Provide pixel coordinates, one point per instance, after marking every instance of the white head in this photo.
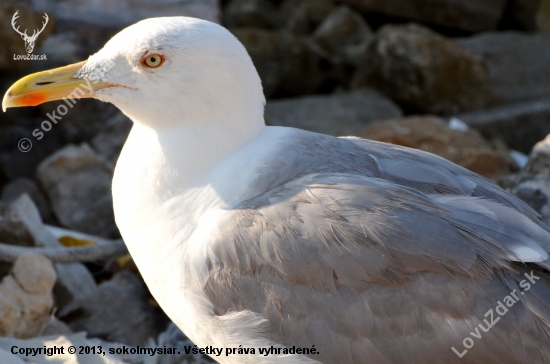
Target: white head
(204, 75)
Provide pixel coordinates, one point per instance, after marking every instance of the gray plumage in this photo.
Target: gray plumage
(380, 254)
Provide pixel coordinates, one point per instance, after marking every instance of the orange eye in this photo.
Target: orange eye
(152, 61)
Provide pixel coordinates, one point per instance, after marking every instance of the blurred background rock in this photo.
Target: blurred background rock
(468, 80)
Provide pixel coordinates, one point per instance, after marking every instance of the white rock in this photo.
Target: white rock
(74, 279)
(78, 183)
(34, 273)
(26, 296)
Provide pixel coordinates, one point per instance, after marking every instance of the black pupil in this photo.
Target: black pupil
(153, 59)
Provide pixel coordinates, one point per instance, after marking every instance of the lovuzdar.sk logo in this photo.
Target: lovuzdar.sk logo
(29, 39)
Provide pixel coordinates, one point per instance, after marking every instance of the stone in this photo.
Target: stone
(337, 114)
(73, 41)
(536, 193)
(250, 13)
(12, 42)
(20, 152)
(21, 185)
(432, 134)
(62, 49)
(125, 12)
(286, 64)
(78, 183)
(426, 72)
(34, 273)
(8, 358)
(110, 140)
(119, 312)
(532, 183)
(344, 34)
(301, 17)
(468, 15)
(543, 15)
(531, 15)
(518, 63)
(84, 120)
(13, 229)
(539, 158)
(520, 125)
(522, 14)
(54, 326)
(26, 296)
(74, 280)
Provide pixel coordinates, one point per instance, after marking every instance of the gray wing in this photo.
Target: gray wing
(388, 270)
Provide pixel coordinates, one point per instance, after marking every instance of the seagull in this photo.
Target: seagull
(268, 244)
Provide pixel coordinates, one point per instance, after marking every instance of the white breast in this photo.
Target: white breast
(165, 207)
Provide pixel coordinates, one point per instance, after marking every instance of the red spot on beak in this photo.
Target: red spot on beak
(32, 99)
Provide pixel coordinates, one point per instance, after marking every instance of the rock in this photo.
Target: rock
(536, 193)
(287, 64)
(432, 134)
(532, 183)
(74, 280)
(16, 160)
(13, 229)
(120, 312)
(78, 184)
(26, 296)
(425, 71)
(34, 273)
(250, 13)
(522, 14)
(520, 125)
(529, 14)
(110, 140)
(62, 49)
(468, 15)
(73, 41)
(81, 122)
(12, 42)
(338, 114)
(301, 17)
(518, 63)
(539, 158)
(8, 358)
(13, 162)
(543, 15)
(19, 186)
(125, 12)
(54, 326)
(344, 34)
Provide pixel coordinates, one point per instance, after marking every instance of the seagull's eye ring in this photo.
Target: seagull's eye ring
(152, 61)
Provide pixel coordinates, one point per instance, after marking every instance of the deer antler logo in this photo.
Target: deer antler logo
(29, 40)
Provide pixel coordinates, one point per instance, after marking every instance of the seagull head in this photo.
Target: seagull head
(160, 72)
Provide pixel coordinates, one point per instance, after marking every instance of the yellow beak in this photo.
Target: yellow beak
(50, 85)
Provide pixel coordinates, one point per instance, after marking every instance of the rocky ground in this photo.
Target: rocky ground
(468, 80)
